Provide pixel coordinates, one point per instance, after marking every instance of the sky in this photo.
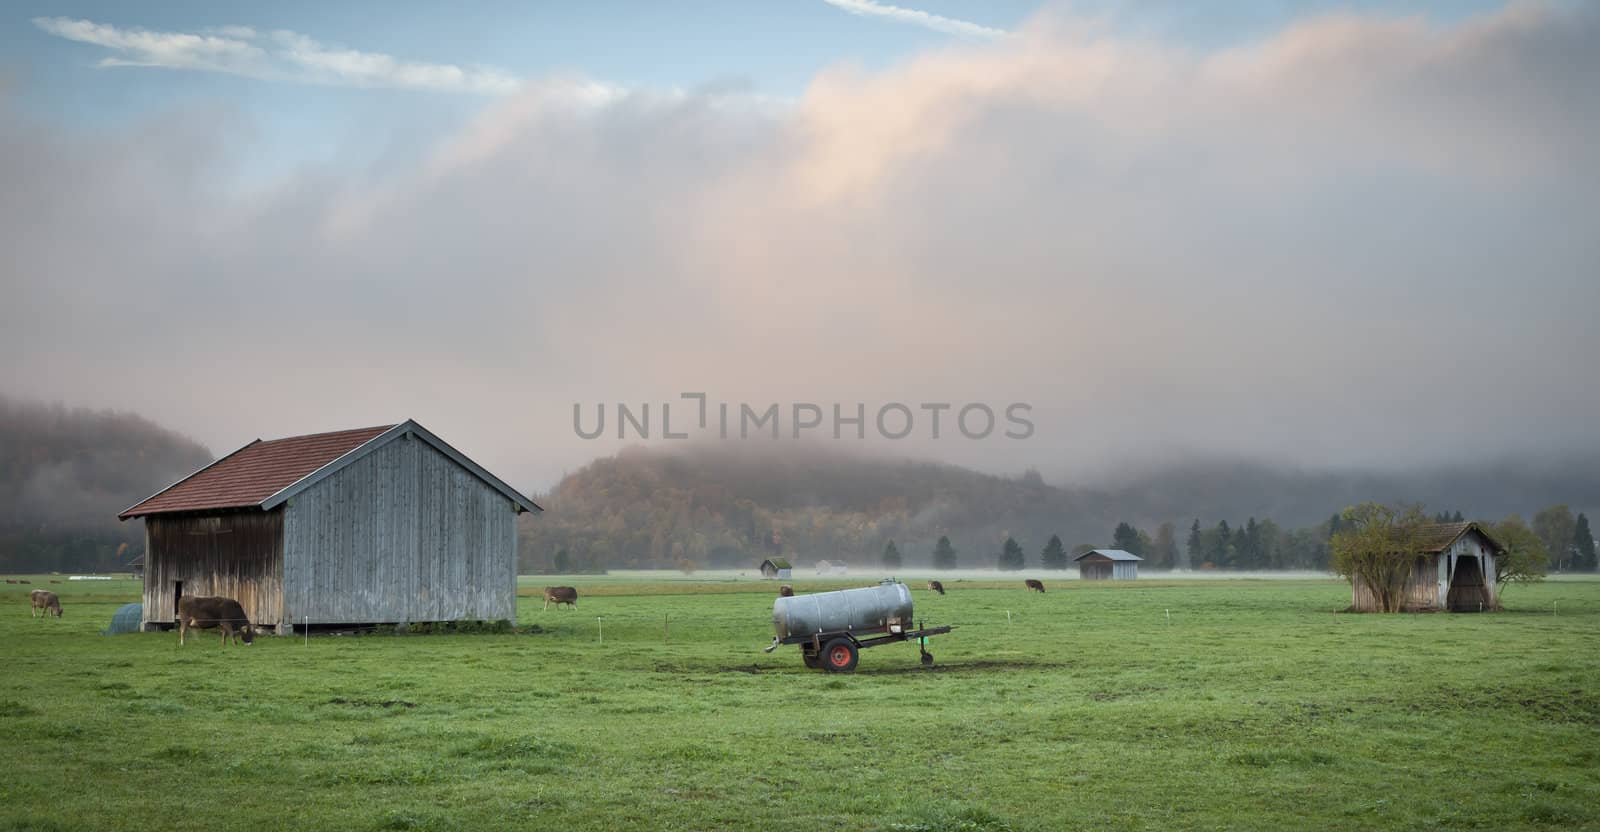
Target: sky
(1329, 234)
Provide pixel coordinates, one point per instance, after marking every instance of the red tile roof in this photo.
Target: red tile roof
(253, 473)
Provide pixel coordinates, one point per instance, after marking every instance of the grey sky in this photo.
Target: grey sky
(1362, 240)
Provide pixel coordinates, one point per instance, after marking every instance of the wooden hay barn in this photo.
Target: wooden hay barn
(776, 568)
(1454, 571)
(369, 526)
(1107, 565)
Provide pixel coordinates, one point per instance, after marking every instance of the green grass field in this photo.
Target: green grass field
(1254, 706)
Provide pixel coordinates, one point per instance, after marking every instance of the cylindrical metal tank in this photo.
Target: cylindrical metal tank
(874, 609)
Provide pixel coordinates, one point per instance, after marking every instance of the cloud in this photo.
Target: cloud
(899, 14)
(284, 56)
(1357, 241)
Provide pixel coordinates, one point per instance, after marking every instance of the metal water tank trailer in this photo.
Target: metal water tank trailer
(833, 627)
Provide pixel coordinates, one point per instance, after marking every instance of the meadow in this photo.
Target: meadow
(1161, 704)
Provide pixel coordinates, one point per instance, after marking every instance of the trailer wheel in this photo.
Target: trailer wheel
(840, 655)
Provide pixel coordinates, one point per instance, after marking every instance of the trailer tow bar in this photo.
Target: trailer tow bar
(922, 644)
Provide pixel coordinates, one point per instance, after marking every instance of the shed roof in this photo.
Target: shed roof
(777, 563)
(1433, 538)
(265, 474)
(1110, 554)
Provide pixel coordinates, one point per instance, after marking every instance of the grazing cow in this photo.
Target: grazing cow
(786, 591)
(1033, 584)
(11, 580)
(936, 587)
(203, 612)
(55, 582)
(24, 582)
(560, 595)
(45, 603)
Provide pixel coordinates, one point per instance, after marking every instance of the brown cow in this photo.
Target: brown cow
(11, 580)
(786, 591)
(24, 582)
(936, 587)
(1033, 584)
(204, 612)
(55, 582)
(560, 595)
(45, 603)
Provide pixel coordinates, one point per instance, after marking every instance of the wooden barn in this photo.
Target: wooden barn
(1108, 565)
(776, 568)
(376, 525)
(1454, 571)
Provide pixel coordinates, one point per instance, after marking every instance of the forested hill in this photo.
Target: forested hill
(64, 475)
(731, 504)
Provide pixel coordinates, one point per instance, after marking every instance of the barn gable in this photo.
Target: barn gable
(401, 533)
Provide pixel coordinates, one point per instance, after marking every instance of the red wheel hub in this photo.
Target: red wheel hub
(839, 656)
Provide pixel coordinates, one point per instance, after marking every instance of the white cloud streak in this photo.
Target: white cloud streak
(916, 17)
(283, 56)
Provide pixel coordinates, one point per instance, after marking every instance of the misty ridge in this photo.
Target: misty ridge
(730, 504)
(66, 472)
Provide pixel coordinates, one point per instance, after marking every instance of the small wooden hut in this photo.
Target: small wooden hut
(778, 568)
(369, 526)
(1454, 570)
(1108, 565)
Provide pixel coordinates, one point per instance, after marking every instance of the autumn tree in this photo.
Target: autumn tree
(1378, 546)
(1164, 549)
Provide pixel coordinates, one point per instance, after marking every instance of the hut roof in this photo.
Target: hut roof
(777, 563)
(1110, 554)
(138, 560)
(1433, 538)
(264, 474)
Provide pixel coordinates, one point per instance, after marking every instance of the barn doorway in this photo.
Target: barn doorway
(177, 595)
(1467, 590)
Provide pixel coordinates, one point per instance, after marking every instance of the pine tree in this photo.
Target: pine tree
(891, 556)
(1249, 546)
(1335, 525)
(1054, 555)
(1222, 551)
(1126, 538)
(1011, 556)
(1583, 546)
(944, 555)
(1196, 548)
(1458, 518)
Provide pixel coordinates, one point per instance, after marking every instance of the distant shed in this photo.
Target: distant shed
(776, 568)
(1108, 565)
(1454, 570)
(375, 525)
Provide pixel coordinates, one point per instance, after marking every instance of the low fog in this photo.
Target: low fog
(1358, 242)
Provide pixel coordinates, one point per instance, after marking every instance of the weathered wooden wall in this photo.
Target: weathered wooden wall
(1094, 570)
(236, 555)
(1421, 590)
(403, 534)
